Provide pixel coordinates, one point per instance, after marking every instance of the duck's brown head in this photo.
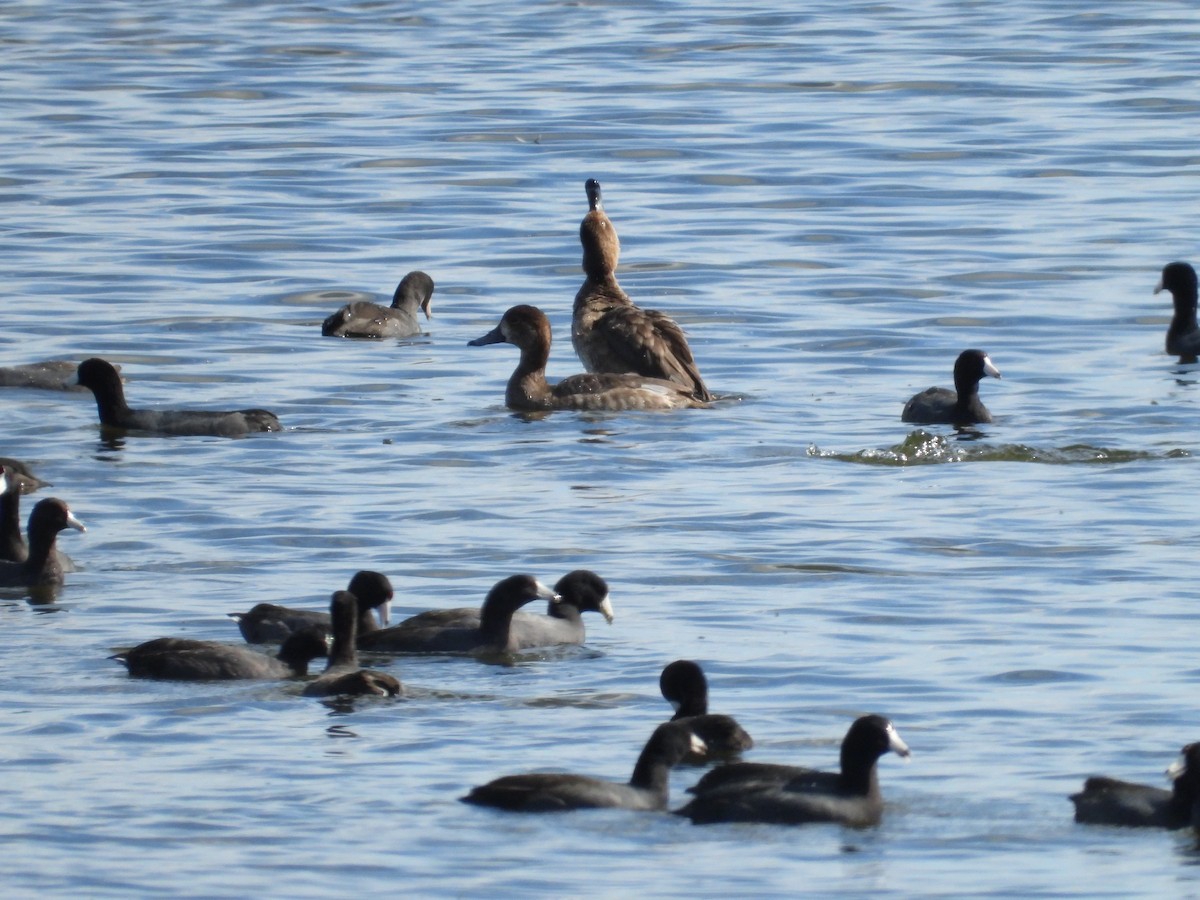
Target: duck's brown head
(525, 326)
(601, 247)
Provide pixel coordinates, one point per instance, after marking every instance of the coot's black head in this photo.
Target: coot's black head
(302, 647)
(97, 374)
(586, 591)
(723, 736)
(515, 591)
(373, 591)
(672, 741)
(51, 516)
(972, 366)
(684, 686)
(868, 739)
(1180, 279)
(1185, 772)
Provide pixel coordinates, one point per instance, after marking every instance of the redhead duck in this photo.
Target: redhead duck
(961, 406)
(42, 566)
(444, 631)
(608, 332)
(101, 378)
(764, 792)
(528, 391)
(267, 623)
(363, 319)
(554, 792)
(342, 676)
(1107, 801)
(12, 543)
(1183, 334)
(183, 659)
(684, 686)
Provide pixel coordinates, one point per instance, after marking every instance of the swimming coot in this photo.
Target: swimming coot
(552, 792)
(12, 543)
(267, 623)
(961, 406)
(1183, 334)
(578, 592)
(609, 333)
(363, 319)
(758, 792)
(685, 687)
(183, 659)
(443, 631)
(1108, 801)
(342, 675)
(42, 566)
(102, 379)
(528, 328)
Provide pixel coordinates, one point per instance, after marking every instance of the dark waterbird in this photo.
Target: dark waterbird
(647, 788)
(101, 378)
(267, 623)
(527, 328)
(444, 631)
(685, 687)
(1183, 334)
(183, 659)
(42, 565)
(961, 406)
(363, 319)
(792, 795)
(12, 543)
(1109, 801)
(342, 675)
(579, 591)
(608, 331)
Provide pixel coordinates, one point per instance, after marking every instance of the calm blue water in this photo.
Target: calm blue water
(834, 199)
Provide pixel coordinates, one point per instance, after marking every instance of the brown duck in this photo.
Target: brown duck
(527, 391)
(609, 333)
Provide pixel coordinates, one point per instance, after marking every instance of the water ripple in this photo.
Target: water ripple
(925, 448)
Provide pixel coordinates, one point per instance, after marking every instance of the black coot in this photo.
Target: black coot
(267, 623)
(552, 792)
(183, 659)
(685, 687)
(961, 406)
(342, 676)
(1108, 801)
(42, 565)
(444, 631)
(1183, 334)
(102, 380)
(755, 792)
